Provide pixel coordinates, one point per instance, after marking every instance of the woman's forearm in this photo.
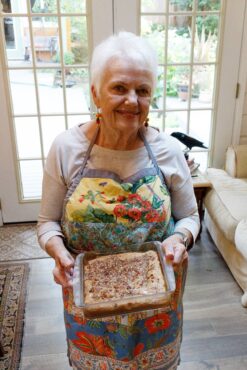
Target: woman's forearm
(55, 246)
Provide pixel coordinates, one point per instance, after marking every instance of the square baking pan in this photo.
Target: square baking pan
(130, 301)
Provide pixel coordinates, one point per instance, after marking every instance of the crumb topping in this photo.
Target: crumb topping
(122, 276)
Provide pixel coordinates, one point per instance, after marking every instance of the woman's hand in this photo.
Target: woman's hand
(174, 249)
(64, 262)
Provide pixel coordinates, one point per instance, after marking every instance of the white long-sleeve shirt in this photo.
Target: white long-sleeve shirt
(65, 159)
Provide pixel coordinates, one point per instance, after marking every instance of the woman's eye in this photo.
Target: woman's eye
(143, 92)
(119, 88)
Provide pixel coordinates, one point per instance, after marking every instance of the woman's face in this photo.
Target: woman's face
(124, 96)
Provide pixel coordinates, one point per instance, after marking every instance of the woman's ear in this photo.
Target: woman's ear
(95, 96)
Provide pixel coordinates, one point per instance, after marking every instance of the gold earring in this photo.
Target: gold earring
(146, 122)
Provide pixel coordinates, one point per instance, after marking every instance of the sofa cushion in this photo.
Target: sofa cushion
(236, 161)
(226, 201)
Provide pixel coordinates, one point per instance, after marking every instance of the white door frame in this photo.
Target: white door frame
(227, 130)
(242, 80)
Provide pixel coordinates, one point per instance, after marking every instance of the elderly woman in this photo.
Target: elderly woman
(112, 182)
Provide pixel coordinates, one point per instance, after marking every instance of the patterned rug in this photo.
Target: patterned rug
(19, 242)
(13, 287)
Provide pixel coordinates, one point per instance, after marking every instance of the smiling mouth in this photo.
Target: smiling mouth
(128, 113)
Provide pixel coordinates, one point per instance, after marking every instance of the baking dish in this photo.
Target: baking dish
(143, 280)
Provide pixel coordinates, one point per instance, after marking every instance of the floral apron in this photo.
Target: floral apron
(104, 213)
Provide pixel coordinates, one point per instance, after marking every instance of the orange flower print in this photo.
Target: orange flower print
(134, 213)
(93, 344)
(138, 349)
(159, 322)
(119, 211)
(152, 216)
(163, 216)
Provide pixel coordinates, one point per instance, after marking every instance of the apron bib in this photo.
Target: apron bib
(104, 213)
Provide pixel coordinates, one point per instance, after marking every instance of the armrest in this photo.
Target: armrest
(236, 161)
(241, 237)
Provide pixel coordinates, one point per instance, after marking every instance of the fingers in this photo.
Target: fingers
(179, 254)
(175, 252)
(62, 277)
(63, 271)
(169, 252)
(65, 261)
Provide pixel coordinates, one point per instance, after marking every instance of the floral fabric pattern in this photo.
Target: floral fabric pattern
(106, 215)
(140, 343)
(103, 214)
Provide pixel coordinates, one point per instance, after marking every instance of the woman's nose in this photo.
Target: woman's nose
(131, 98)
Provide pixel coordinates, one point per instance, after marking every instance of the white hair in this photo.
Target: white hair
(123, 45)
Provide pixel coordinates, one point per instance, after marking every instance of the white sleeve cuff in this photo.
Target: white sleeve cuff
(190, 223)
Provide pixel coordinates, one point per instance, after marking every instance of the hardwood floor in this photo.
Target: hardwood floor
(215, 323)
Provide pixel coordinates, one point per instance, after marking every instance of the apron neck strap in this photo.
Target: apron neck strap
(89, 150)
(149, 150)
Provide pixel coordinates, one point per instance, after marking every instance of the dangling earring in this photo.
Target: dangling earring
(98, 117)
(146, 122)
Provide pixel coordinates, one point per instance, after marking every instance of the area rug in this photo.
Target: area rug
(13, 288)
(19, 242)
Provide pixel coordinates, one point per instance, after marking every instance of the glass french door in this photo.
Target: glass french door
(44, 82)
(44, 76)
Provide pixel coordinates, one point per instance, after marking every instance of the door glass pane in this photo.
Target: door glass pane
(9, 32)
(176, 121)
(41, 6)
(208, 5)
(206, 38)
(187, 42)
(75, 6)
(158, 96)
(50, 91)
(153, 6)
(156, 119)
(45, 87)
(200, 124)
(31, 179)
(26, 128)
(180, 5)
(179, 41)
(203, 86)
(51, 127)
(14, 6)
(23, 91)
(77, 90)
(45, 39)
(177, 87)
(75, 40)
(153, 28)
(17, 40)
